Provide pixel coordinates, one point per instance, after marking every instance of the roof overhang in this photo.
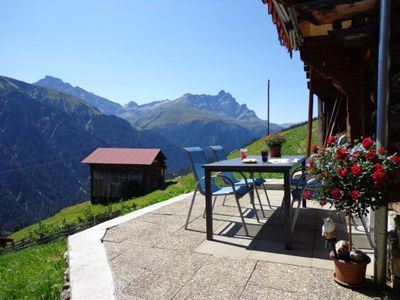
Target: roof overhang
(347, 20)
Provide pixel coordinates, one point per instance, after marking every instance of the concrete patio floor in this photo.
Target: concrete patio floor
(153, 257)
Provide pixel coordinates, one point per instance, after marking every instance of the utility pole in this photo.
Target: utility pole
(268, 108)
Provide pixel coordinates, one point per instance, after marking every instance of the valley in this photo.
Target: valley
(47, 128)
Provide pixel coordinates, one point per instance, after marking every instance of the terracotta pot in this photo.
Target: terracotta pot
(275, 151)
(349, 273)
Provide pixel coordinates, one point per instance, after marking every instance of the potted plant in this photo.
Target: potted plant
(354, 178)
(274, 142)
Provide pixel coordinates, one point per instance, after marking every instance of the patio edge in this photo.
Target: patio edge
(89, 272)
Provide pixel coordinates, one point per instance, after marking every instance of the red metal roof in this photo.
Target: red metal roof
(279, 25)
(123, 156)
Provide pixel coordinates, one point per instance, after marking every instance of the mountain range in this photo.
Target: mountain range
(190, 120)
(47, 128)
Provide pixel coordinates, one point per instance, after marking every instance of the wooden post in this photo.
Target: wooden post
(321, 123)
(310, 116)
(355, 113)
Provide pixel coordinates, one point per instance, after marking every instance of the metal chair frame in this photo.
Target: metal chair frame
(219, 154)
(217, 190)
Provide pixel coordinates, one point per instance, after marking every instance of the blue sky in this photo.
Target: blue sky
(152, 50)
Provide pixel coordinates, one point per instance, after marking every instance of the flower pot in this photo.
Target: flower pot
(275, 151)
(349, 273)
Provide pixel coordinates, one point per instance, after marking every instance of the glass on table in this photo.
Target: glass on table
(243, 153)
(264, 155)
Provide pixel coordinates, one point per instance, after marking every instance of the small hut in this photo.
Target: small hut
(120, 173)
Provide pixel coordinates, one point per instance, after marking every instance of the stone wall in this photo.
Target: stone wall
(66, 288)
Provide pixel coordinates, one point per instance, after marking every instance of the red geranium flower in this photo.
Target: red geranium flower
(314, 148)
(341, 153)
(356, 177)
(336, 193)
(311, 164)
(379, 178)
(370, 155)
(343, 172)
(356, 170)
(395, 159)
(367, 143)
(331, 139)
(355, 194)
(307, 195)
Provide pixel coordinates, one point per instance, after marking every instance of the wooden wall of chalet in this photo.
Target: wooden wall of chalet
(340, 50)
(154, 175)
(111, 183)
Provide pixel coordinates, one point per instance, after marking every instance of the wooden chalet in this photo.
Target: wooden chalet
(351, 55)
(120, 173)
(338, 41)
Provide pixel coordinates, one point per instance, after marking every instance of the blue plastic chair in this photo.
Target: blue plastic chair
(219, 154)
(197, 159)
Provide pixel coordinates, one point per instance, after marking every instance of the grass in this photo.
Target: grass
(77, 212)
(296, 144)
(33, 273)
(37, 272)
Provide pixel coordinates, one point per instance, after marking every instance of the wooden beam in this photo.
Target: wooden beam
(358, 37)
(344, 68)
(290, 2)
(355, 111)
(321, 122)
(327, 11)
(323, 87)
(308, 29)
(332, 61)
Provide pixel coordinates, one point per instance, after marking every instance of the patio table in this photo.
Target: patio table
(236, 165)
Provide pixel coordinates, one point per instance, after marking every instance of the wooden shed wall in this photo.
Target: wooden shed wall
(115, 182)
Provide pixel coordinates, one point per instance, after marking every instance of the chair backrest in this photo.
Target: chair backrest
(219, 154)
(197, 159)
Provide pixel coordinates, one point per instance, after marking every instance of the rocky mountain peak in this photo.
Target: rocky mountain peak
(223, 104)
(131, 104)
(104, 105)
(53, 82)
